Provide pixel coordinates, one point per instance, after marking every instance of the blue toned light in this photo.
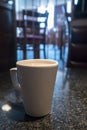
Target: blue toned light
(10, 2)
(76, 2)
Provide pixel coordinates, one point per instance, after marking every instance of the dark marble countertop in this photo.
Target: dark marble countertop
(69, 106)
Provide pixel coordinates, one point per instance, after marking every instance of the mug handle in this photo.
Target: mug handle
(14, 79)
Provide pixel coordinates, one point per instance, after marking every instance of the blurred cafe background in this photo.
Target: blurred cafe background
(54, 29)
(45, 29)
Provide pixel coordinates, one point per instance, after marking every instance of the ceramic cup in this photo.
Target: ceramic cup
(35, 79)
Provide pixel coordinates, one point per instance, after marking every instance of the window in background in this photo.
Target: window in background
(76, 2)
(50, 9)
(69, 6)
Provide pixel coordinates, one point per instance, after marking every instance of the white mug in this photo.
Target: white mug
(35, 79)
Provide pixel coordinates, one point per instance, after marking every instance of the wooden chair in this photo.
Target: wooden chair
(33, 31)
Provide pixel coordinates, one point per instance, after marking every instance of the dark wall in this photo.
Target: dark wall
(7, 37)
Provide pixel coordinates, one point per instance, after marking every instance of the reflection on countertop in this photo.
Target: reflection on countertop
(69, 106)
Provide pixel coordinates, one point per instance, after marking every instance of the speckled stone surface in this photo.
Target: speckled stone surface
(69, 105)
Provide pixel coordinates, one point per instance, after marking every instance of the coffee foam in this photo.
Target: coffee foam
(36, 63)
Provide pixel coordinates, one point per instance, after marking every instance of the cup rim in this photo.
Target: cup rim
(50, 63)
